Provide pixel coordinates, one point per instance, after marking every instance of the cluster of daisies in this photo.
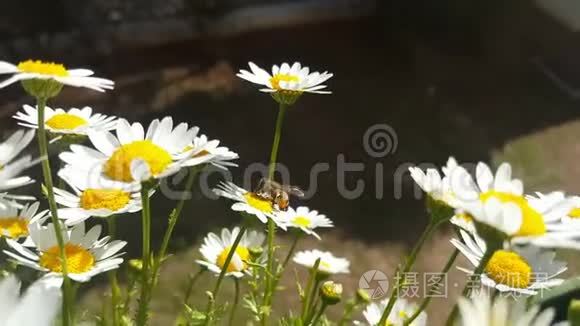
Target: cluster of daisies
(110, 163)
(103, 180)
(511, 236)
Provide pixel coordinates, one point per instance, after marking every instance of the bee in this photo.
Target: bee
(277, 194)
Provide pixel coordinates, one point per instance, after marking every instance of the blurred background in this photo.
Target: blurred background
(479, 80)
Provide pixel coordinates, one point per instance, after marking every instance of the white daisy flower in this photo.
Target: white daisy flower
(447, 187)
(248, 202)
(36, 69)
(482, 310)
(305, 219)
(570, 219)
(286, 78)
(541, 218)
(215, 250)
(402, 310)
(133, 156)
(14, 221)
(74, 121)
(39, 305)
(204, 151)
(328, 262)
(86, 254)
(87, 201)
(525, 270)
(10, 167)
(505, 217)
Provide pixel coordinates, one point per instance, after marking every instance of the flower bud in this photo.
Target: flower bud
(362, 296)
(331, 292)
(256, 252)
(136, 264)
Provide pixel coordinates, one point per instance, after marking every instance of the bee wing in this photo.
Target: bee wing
(262, 185)
(295, 191)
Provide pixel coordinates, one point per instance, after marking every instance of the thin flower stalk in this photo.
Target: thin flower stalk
(49, 192)
(215, 292)
(270, 282)
(142, 312)
(408, 265)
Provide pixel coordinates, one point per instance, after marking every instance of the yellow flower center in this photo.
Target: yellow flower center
(78, 259)
(118, 167)
(242, 252)
(112, 199)
(277, 78)
(464, 216)
(258, 203)
(325, 265)
(532, 221)
(13, 227)
(574, 213)
(509, 268)
(44, 68)
(65, 121)
(301, 221)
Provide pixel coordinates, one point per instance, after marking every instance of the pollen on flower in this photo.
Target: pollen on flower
(464, 216)
(65, 121)
(532, 221)
(574, 213)
(112, 199)
(509, 268)
(13, 227)
(78, 259)
(242, 252)
(43, 68)
(258, 203)
(118, 167)
(301, 221)
(277, 78)
(201, 153)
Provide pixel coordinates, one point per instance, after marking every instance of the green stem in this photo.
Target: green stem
(307, 293)
(319, 314)
(45, 162)
(189, 289)
(313, 300)
(222, 274)
(290, 252)
(408, 265)
(283, 266)
(236, 301)
(477, 273)
(145, 284)
(271, 224)
(433, 288)
(192, 280)
(347, 315)
(175, 214)
(115, 290)
(276, 143)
